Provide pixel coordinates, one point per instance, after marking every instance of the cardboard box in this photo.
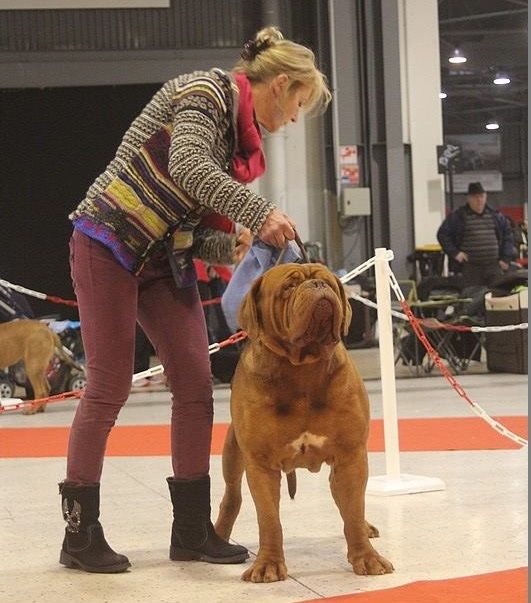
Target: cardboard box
(507, 350)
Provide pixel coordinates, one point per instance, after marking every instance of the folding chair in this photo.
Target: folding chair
(442, 301)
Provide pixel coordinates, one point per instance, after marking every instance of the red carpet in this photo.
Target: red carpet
(509, 586)
(467, 433)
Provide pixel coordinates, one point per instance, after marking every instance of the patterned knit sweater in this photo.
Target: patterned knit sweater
(171, 168)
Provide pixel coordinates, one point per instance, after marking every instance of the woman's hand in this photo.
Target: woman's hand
(243, 243)
(277, 229)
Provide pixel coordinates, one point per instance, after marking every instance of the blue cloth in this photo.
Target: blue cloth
(58, 326)
(257, 260)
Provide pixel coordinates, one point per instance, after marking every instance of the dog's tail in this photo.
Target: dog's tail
(292, 483)
(64, 353)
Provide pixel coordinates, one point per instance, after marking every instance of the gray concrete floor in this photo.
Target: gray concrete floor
(478, 524)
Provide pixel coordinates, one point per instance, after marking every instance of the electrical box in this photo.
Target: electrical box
(356, 201)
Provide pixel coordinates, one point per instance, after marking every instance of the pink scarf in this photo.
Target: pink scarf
(248, 161)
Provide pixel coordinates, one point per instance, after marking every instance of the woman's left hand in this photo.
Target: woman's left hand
(244, 241)
(277, 229)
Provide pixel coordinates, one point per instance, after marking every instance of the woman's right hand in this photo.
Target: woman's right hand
(277, 229)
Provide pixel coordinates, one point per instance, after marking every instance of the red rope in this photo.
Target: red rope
(415, 324)
(433, 323)
(60, 300)
(239, 336)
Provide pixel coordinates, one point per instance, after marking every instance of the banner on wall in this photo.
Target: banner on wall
(480, 161)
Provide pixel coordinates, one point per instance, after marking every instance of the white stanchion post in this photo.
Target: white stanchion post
(393, 482)
(387, 362)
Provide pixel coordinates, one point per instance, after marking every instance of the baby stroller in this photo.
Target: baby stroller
(64, 377)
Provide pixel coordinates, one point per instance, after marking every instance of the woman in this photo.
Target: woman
(187, 154)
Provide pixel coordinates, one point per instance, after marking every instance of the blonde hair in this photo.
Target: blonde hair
(269, 55)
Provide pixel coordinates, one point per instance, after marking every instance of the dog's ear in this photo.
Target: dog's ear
(248, 318)
(347, 310)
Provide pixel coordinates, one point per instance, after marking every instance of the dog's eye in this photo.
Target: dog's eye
(287, 289)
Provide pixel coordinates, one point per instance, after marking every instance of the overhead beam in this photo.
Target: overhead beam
(480, 16)
(518, 2)
(495, 109)
(483, 32)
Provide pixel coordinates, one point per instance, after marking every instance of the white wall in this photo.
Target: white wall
(286, 180)
(423, 113)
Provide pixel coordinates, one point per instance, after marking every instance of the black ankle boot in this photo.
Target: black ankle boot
(84, 545)
(192, 532)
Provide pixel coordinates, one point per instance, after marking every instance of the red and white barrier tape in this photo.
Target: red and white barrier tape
(362, 268)
(51, 298)
(415, 324)
(429, 323)
(7, 404)
(212, 349)
(433, 323)
(69, 302)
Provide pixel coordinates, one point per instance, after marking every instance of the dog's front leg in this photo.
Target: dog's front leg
(269, 565)
(348, 479)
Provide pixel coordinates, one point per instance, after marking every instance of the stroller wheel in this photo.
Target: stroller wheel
(7, 389)
(77, 381)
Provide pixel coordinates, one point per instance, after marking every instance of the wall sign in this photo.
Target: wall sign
(348, 164)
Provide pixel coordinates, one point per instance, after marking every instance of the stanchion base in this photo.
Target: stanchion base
(385, 485)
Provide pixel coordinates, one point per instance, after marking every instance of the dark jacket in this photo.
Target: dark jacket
(451, 232)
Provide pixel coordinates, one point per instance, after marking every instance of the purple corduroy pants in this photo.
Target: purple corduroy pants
(111, 300)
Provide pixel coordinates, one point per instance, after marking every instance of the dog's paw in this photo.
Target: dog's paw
(31, 410)
(370, 564)
(266, 571)
(372, 531)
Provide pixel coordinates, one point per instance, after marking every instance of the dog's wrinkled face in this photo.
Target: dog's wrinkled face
(297, 310)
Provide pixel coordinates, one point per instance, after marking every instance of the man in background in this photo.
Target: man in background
(478, 239)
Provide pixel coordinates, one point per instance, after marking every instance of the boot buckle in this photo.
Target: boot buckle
(72, 517)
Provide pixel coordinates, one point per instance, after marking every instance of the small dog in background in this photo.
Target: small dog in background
(34, 343)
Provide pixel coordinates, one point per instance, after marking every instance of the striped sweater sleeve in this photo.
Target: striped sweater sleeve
(214, 246)
(199, 119)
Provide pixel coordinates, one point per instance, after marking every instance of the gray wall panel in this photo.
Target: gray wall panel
(186, 24)
(39, 70)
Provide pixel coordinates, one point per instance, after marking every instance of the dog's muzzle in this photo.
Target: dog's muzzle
(320, 329)
(316, 315)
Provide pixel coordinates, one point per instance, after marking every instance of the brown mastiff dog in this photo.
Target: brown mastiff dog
(297, 401)
(34, 343)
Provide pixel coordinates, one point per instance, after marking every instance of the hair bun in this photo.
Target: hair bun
(268, 35)
(264, 39)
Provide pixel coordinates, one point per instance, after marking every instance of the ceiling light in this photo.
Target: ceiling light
(442, 95)
(457, 56)
(492, 124)
(501, 79)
